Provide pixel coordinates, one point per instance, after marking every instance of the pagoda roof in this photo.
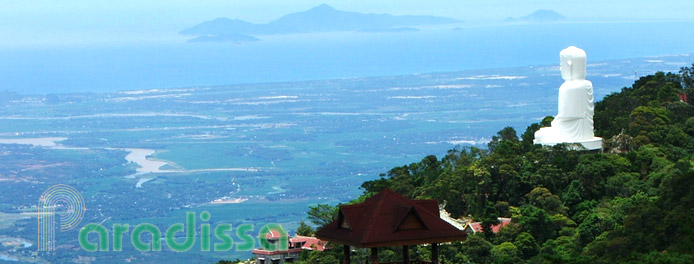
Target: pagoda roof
(389, 219)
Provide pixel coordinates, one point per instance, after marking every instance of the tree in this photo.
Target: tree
(375, 186)
(598, 221)
(322, 214)
(542, 198)
(327, 259)
(593, 169)
(573, 195)
(547, 121)
(477, 249)
(526, 244)
(304, 229)
(401, 180)
(560, 250)
(677, 200)
(329, 255)
(649, 125)
(613, 113)
(528, 137)
(536, 222)
(687, 75)
(506, 134)
(503, 209)
(490, 218)
(507, 233)
(447, 188)
(689, 126)
(505, 253)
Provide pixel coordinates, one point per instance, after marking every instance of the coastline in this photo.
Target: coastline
(48, 142)
(140, 157)
(143, 158)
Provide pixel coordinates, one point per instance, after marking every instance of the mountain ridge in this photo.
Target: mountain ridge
(539, 16)
(322, 18)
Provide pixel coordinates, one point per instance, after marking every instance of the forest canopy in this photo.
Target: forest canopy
(632, 202)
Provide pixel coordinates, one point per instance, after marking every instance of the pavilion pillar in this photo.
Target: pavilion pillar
(374, 255)
(346, 252)
(434, 253)
(405, 254)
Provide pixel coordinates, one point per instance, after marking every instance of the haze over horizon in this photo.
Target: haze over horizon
(99, 46)
(45, 23)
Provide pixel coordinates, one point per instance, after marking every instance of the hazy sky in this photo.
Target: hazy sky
(33, 21)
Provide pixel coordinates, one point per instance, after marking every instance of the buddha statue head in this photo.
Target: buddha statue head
(573, 64)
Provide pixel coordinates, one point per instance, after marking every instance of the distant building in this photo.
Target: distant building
(683, 97)
(476, 227)
(296, 245)
(388, 219)
(460, 224)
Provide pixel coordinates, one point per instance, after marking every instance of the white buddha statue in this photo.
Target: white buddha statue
(574, 121)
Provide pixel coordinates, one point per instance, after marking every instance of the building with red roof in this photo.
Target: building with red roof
(683, 97)
(476, 227)
(389, 219)
(296, 245)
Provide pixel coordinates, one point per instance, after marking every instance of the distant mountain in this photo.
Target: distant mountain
(539, 16)
(322, 18)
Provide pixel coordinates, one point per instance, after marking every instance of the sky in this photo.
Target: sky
(37, 22)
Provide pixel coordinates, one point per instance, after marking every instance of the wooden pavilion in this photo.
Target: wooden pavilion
(387, 220)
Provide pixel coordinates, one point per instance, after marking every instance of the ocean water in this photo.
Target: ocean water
(116, 67)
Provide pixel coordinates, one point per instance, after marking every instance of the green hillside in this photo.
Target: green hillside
(631, 203)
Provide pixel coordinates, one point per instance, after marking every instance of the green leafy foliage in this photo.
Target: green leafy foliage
(477, 248)
(322, 214)
(630, 203)
(304, 229)
(505, 253)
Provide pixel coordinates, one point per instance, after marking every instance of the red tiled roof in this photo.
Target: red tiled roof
(683, 97)
(389, 219)
(477, 226)
(273, 235)
(311, 243)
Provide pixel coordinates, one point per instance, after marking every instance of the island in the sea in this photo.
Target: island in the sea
(539, 16)
(322, 18)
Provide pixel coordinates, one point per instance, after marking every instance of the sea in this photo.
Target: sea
(120, 65)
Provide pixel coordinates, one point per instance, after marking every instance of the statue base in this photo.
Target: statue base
(590, 144)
